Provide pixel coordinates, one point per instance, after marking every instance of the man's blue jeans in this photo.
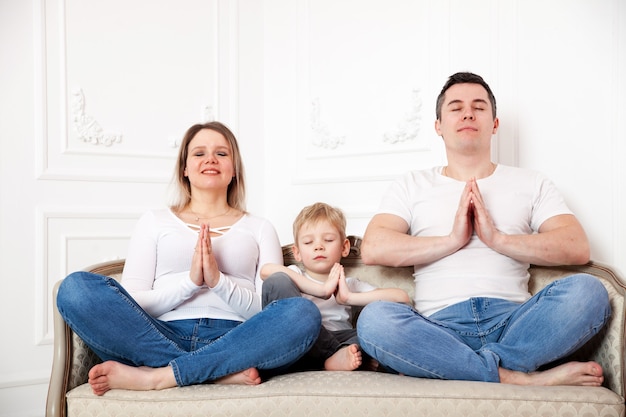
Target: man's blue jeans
(115, 327)
(472, 339)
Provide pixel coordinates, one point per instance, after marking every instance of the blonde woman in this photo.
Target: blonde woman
(188, 309)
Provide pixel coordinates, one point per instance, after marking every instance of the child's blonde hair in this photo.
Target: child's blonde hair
(319, 212)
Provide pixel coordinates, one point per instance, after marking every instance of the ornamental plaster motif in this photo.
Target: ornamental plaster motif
(208, 115)
(88, 129)
(322, 137)
(409, 128)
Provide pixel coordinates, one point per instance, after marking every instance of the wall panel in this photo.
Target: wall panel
(72, 239)
(357, 85)
(119, 88)
(361, 74)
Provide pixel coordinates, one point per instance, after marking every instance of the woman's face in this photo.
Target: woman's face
(209, 162)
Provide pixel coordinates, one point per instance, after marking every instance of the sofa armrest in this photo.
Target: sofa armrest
(72, 359)
(55, 404)
(607, 347)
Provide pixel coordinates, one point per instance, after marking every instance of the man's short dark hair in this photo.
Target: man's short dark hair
(464, 78)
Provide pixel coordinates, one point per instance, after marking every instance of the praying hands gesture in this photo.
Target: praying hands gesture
(305, 285)
(204, 269)
(346, 297)
(331, 285)
(472, 216)
(558, 241)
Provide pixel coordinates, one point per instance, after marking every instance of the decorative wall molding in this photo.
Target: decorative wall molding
(348, 129)
(209, 114)
(322, 138)
(409, 128)
(70, 239)
(87, 127)
(75, 141)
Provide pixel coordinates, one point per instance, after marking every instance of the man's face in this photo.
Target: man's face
(467, 121)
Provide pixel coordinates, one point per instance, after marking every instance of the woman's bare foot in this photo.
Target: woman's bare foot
(570, 373)
(114, 375)
(348, 358)
(248, 377)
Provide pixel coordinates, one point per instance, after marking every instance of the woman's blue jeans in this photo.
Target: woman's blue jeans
(115, 327)
(472, 339)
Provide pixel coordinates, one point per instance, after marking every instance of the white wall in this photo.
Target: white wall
(330, 99)
(557, 69)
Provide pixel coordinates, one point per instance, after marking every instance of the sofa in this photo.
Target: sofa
(357, 393)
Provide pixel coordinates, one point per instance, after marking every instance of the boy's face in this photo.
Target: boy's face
(320, 246)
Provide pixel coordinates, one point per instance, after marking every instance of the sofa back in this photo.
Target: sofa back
(606, 348)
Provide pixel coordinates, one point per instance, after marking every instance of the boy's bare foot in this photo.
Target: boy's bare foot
(348, 358)
(248, 377)
(571, 373)
(114, 375)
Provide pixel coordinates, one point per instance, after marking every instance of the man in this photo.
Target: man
(471, 229)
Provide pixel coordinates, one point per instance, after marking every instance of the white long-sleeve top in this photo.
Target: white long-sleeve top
(156, 271)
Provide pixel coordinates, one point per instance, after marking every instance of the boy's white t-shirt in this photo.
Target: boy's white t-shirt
(518, 201)
(335, 316)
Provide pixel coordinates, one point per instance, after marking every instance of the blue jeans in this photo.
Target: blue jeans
(115, 327)
(279, 286)
(472, 339)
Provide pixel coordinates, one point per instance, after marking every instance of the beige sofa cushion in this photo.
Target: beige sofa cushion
(358, 393)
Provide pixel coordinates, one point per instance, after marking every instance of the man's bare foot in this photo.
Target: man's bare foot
(248, 377)
(114, 375)
(348, 358)
(570, 373)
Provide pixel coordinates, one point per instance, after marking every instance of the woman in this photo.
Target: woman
(188, 309)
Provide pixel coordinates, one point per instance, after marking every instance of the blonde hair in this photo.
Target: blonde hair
(318, 212)
(236, 194)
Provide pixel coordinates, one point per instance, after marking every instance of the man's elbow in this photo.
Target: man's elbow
(373, 254)
(582, 256)
(367, 253)
(579, 255)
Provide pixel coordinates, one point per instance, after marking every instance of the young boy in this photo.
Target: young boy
(319, 244)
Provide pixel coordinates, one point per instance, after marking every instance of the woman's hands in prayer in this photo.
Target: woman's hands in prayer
(203, 265)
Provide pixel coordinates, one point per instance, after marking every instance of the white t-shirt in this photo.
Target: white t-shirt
(518, 200)
(156, 272)
(335, 316)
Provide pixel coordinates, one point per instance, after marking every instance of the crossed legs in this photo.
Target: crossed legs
(551, 325)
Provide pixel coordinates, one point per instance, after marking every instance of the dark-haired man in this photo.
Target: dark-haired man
(471, 229)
